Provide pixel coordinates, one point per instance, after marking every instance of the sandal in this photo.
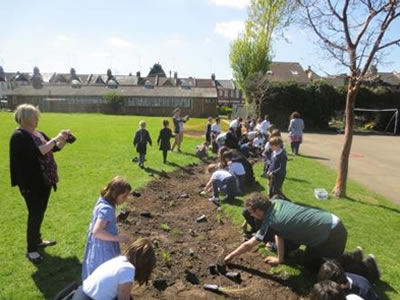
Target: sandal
(47, 243)
(34, 257)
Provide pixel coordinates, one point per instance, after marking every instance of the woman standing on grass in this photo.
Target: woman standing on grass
(178, 128)
(34, 170)
(103, 238)
(295, 129)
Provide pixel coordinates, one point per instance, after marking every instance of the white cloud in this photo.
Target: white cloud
(231, 3)
(100, 54)
(63, 41)
(175, 41)
(117, 42)
(229, 30)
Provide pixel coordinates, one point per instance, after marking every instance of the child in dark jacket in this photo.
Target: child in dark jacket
(350, 283)
(142, 137)
(164, 140)
(277, 170)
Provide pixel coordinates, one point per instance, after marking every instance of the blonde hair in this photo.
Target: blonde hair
(141, 255)
(26, 112)
(142, 124)
(212, 168)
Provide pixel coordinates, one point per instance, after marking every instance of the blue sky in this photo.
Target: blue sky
(191, 37)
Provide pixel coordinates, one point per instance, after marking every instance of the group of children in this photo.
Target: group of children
(230, 176)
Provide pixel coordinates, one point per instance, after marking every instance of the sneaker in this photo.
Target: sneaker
(358, 254)
(374, 272)
(47, 243)
(214, 200)
(34, 257)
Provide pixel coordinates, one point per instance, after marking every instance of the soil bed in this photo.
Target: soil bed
(185, 247)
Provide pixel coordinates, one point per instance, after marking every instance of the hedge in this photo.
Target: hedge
(318, 102)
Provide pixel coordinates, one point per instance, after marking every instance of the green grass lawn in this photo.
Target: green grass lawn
(103, 150)
(372, 221)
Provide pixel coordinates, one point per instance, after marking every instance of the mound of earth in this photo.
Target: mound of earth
(186, 247)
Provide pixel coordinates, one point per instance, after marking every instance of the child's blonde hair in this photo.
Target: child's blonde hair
(142, 124)
(212, 168)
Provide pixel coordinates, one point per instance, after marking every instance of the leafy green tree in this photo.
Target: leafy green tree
(156, 69)
(251, 52)
(115, 100)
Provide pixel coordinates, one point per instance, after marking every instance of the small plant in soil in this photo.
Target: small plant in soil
(171, 203)
(201, 237)
(176, 231)
(166, 257)
(165, 227)
(219, 218)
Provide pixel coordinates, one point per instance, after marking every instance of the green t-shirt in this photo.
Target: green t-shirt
(296, 223)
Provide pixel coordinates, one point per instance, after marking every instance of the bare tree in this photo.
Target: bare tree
(355, 33)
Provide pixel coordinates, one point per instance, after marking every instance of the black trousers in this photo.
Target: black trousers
(36, 201)
(295, 147)
(275, 185)
(332, 248)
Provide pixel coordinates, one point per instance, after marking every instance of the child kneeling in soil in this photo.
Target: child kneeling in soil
(114, 278)
(202, 150)
(221, 180)
(236, 169)
(102, 238)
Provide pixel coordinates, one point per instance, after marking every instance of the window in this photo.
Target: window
(210, 101)
(294, 72)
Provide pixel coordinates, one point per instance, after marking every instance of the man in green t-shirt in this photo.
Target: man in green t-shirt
(323, 233)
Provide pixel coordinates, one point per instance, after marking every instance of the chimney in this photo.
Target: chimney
(138, 74)
(175, 75)
(170, 72)
(213, 76)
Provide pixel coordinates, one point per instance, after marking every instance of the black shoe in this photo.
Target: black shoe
(374, 272)
(34, 257)
(358, 254)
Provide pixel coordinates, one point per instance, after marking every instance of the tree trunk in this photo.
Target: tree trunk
(341, 178)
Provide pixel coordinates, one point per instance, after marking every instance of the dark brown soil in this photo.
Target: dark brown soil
(189, 247)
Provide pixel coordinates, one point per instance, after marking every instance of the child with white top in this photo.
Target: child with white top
(114, 278)
(259, 142)
(236, 169)
(220, 180)
(215, 131)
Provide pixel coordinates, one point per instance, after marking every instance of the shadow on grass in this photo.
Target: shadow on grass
(152, 171)
(297, 180)
(382, 287)
(54, 273)
(374, 205)
(184, 169)
(313, 157)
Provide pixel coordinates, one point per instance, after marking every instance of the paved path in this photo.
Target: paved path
(374, 160)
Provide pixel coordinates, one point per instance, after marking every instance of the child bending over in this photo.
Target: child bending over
(236, 169)
(220, 180)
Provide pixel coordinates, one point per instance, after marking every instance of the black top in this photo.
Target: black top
(361, 287)
(25, 169)
(142, 137)
(231, 140)
(278, 164)
(163, 139)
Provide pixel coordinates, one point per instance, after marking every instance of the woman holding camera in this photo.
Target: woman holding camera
(178, 128)
(34, 170)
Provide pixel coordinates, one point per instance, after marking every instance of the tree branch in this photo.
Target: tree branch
(389, 44)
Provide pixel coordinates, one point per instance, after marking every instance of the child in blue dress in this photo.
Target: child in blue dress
(103, 238)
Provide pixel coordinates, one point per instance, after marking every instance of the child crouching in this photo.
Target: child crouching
(236, 169)
(220, 180)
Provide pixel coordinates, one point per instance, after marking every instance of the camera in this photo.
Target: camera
(71, 139)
